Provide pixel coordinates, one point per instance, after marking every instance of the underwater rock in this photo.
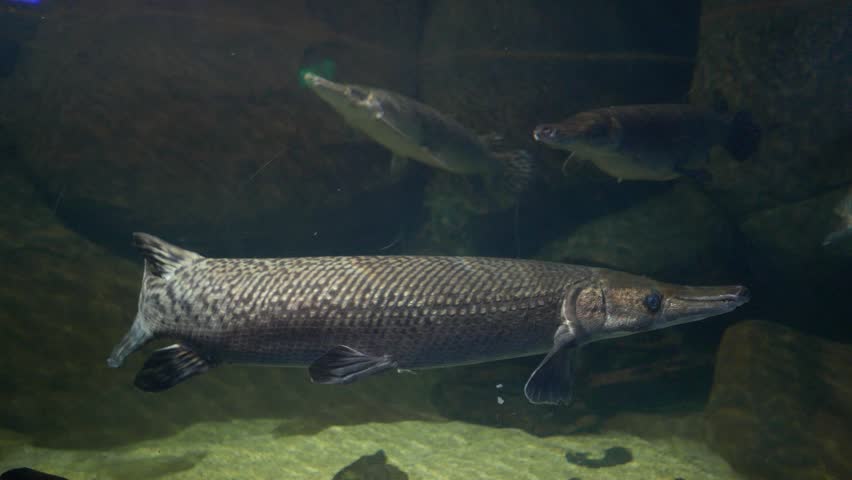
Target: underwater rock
(790, 238)
(507, 66)
(653, 372)
(424, 449)
(25, 473)
(371, 467)
(189, 120)
(660, 237)
(780, 403)
(787, 64)
(786, 242)
(492, 395)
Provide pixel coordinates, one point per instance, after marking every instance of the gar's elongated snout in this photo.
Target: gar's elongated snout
(621, 304)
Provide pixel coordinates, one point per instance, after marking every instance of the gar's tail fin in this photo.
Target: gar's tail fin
(162, 259)
(132, 341)
(743, 137)
(519, 169)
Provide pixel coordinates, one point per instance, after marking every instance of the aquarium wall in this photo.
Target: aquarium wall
(194, 121)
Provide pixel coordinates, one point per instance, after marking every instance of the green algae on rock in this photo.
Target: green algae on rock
(248, 449)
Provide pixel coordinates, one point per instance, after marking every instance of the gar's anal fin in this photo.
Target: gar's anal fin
(343, 364)
(169, 366)
(552, 381)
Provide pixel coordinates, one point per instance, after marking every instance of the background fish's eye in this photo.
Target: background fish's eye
(653, 301)
(358, 94)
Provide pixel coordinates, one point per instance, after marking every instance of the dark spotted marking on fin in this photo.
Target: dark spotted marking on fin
(169, 366)
(162, 258)
(342, 364)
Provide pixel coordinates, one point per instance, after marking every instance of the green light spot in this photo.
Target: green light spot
(324, 69)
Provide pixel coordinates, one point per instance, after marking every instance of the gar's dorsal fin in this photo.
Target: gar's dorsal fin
(162, 259)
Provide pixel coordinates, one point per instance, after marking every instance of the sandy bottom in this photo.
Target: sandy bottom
(249, 449)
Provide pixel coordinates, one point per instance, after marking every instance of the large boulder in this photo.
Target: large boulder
(677, 234)
(800, 248)
(506, 66)
(787, 63)
(188, 119)
(786, 242)
(780, 405)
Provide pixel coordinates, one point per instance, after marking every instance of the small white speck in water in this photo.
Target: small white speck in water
(499, 385)
(500, 400)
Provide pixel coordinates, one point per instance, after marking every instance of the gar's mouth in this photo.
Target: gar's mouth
(736, 294)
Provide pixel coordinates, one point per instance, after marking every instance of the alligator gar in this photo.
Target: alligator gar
(347, 318)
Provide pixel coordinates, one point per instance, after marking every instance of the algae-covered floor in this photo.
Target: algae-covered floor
(255, 449)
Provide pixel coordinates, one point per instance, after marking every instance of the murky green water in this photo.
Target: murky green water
(195, 121)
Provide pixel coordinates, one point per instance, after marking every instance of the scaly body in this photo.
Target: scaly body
(348, 317)
(422, 311)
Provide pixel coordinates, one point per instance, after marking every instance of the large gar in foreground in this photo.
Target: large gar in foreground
(349, 317)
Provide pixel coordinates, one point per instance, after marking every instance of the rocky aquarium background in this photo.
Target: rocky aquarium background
(187, 120)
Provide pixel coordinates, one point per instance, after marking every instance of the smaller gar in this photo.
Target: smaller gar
(413, 130)
(651, 142)
(346, 318)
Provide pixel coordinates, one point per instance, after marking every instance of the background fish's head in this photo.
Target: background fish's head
(355, 103)
(584, 130)
(620, 304)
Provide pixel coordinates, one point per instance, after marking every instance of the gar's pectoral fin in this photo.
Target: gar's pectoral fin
(169, 366)
(343, 364)
(552, 381)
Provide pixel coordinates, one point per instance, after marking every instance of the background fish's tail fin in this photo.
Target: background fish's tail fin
(519, 168)
(162, 259)
(744, 136)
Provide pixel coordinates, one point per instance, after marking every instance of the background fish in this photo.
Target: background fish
(651, 142)
(844, 211)
(346, 318)
(413, 130)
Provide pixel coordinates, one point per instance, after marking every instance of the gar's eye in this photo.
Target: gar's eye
(653, 301)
